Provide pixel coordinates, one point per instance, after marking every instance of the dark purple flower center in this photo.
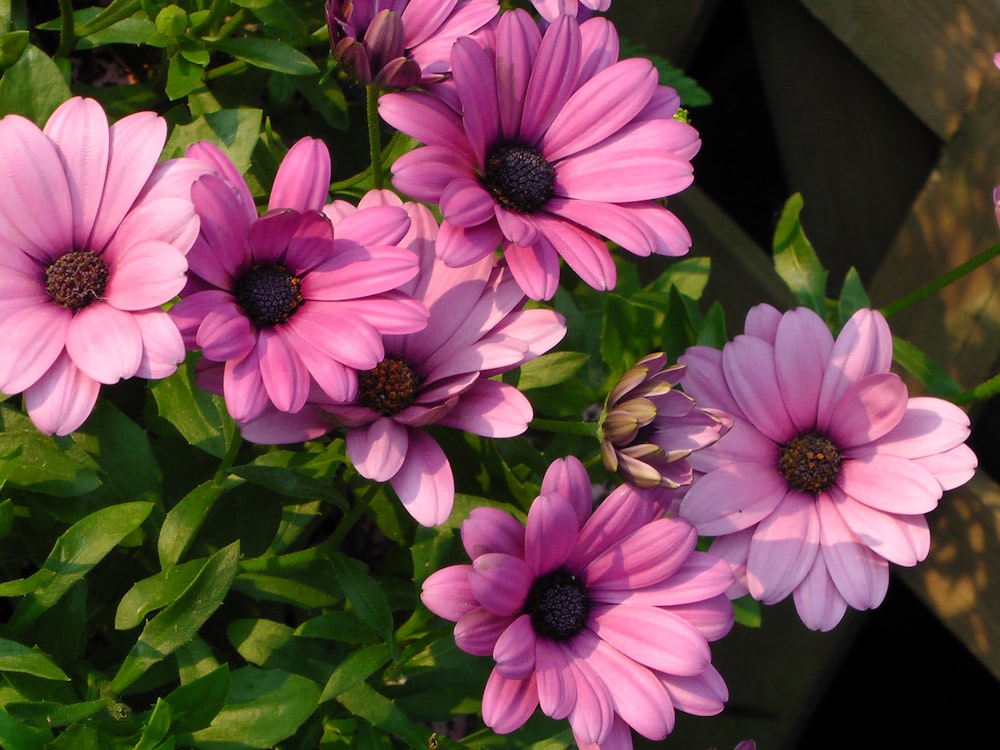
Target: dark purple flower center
(558, 605)
(389, 388)
(809, 463)
(76, 279)
(519, 178)
(269, 294)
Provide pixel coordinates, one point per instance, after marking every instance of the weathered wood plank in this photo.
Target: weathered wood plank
(934, 54)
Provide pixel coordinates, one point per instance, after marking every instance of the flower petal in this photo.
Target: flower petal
(62, 398)
(652, 636)
(446, 592)
(783, 548)
(105, 343)
(424, 483)
(377, 450)
(501, 582)
(733, 497)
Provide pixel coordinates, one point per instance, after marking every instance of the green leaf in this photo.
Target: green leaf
(196, 703)
(235, 131)
(263, 708)
(796, 261)
(924, 369)
(183, 77)
(274, 645)
(853, 297)
(198, 416)
(747, 611)
(15, 657)
(364, 701)
(180, 621)
(184, 520)
(679, 327)
(550, 369)
(364, 593)
(51, 714)
(277, 472)
(74, 554)
(713, 328)
(12, 46)
(689, 276)
(6, 511)
(154, 593)
(357, 667)
(269, 54)
(14, 734)
(42, 463)
(157, 727)
(337, 626)
(123, 451)
(33, 87)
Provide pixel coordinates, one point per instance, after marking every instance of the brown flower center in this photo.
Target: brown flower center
(519, 178)
(76, 279)
(389, 388)
(809, 463)
(269, 294)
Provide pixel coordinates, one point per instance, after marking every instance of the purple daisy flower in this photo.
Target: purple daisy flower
(400, 43)
(602, 618)
(550, 10)
(830, 466)
(440, 375)
(281, 305)
(93, 237)
(548, 146)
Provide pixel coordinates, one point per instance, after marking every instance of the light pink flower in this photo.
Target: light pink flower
(282, 306)
(441, 375)
(649, 428)
(401, 43)
(830, 466)
(547, 145)
(93, 236)
(601, 618)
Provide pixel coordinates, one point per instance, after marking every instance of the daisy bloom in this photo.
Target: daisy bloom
(440, 375)
(603, 618)
(280, 305)
(649, 428)
(830, 466)
(547, 145)
(400, 43)
(93, 237)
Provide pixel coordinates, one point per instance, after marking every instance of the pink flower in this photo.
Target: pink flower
(550, 10)
(93, 236)
(441, 375)
(603, 618)
(400, 43)
(548, 145)
(830, 466)
(648, 428)
(280, 305)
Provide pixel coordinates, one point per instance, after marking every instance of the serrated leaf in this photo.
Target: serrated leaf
(74, 554)
(180, 621)
(16, 657)
(796, 261)
(263, 708)
(269, 54)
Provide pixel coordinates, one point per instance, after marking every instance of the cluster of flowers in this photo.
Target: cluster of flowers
(799, 453)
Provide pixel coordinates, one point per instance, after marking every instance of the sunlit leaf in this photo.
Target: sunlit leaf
(796, 261)
(16, 657)
(33, 86)
(270, 54)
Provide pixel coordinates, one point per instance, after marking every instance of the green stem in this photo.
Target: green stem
(979, 392)
(939, 283)
(66, 29)
(231, 68)
(375, 138)
(569, 428)
(117, 11)
(236, 21)
(228, 460)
